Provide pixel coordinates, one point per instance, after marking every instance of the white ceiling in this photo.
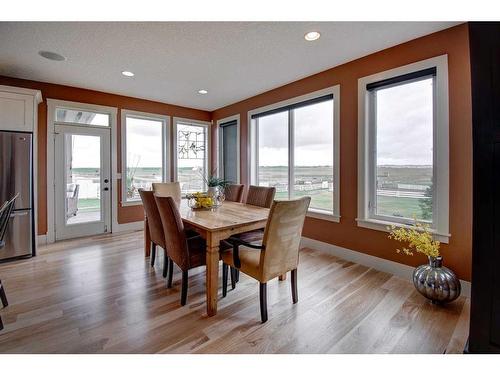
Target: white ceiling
(173, 60)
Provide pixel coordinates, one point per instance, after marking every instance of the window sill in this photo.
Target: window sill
(323, 215)
(383, 226)
(131, 203)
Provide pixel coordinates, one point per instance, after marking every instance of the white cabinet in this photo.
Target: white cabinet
(18, 108)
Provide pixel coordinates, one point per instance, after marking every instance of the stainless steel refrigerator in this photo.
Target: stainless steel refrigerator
(16, 176)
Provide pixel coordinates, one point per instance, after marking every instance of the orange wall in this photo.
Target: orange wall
(455, 43)
(52, 91)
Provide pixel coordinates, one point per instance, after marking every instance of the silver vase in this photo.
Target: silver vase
(437, 283)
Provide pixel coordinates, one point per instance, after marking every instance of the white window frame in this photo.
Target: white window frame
(333, 216)
(165, 120)
(220, 156)
(367, 140)
(187, 121)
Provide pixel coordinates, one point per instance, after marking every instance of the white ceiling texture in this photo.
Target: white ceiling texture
(173, 60)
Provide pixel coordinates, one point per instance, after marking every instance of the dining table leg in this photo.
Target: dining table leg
(212, 275)
(147, 238)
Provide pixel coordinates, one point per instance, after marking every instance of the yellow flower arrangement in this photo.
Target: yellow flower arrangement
(419, 239)
(202, 200)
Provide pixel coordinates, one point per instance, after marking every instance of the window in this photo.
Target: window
(295, 149)
(192, 150)
(82, 117)
(404, 147)
(144, 156)
(229, 160)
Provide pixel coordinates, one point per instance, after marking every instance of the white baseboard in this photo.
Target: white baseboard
(136, 225)
(384, 265)
(41, 239)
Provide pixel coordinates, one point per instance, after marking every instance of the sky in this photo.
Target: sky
(144, 143)
(404, 130)
(313, 136)
(143, 146)
(86, 151)
(404, 133)
(404, 124)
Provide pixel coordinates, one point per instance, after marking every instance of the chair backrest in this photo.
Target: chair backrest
(72, 191)
(154, 220)
(234, 192)
(5, 211)
(168, 189)
(77, 190)
(282, 237)
(260, 196)
(175, 238)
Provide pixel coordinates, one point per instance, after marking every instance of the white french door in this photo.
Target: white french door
(82, 181)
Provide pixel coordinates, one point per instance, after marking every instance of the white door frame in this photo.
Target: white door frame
(238, 142)
(52, 104)
(103, 225)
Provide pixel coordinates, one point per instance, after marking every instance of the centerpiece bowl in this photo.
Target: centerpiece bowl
(203, 201)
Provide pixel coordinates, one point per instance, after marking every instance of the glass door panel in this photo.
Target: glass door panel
(83, 178)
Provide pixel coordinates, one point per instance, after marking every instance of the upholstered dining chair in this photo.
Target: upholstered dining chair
(257, 196)
(233, 192)
(5, 211)
(155, 227)
(277, 254)
(168, 189)
(261, 196)
(186, 252)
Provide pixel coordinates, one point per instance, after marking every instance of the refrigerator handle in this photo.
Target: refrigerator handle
(18, 213)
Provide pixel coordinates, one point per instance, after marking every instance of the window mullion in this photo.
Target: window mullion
(372, 155)
(221, 166)
(164, 151)
(434, 196)
(291, 149)
(256, 151)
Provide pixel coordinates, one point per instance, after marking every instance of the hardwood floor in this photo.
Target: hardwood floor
(100, 295)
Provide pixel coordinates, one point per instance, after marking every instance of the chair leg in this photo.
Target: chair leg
(263, 302)
(224, 279)
(3, 296)
(237, 274)
(5, 303)
(165, 265)
(153, 254)
(233, 277)
(293, 279)
(184, 291)
(170, 272)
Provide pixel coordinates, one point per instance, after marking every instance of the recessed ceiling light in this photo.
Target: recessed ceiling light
(203, 92)
(126, 73)
(312, 35)
(52, 56)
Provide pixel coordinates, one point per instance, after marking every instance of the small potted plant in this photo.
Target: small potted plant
(435, 282)
(216, 185)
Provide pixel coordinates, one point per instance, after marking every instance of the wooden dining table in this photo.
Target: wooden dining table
(215, 225)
